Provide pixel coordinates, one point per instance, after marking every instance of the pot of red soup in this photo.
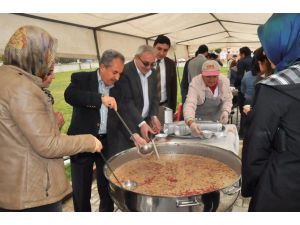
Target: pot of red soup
(188, 177)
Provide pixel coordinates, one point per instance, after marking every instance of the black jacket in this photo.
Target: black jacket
(171, 83)
(131, 100)
(82, 94)
(184, 85)
(243, 66)
(271, 150)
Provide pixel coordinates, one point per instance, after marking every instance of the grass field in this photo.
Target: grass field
(62, 80)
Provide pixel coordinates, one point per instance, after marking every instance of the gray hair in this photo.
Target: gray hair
(108, 56)
(32, 49)
(144, 48)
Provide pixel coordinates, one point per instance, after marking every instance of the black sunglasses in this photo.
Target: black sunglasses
(146, 64)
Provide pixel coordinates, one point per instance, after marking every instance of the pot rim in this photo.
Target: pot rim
(170, 196)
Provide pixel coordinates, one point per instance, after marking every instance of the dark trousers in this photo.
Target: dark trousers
(54, 207)
(82, 177)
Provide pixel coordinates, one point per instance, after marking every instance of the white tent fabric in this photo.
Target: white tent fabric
(126, 31)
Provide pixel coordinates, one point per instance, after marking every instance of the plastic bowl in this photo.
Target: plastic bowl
(161, 136)
(207, 134)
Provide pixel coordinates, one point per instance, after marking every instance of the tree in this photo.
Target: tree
(218, 50)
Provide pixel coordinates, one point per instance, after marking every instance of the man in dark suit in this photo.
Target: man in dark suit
(166, 75)
(139, 101)
(243, 66)
(94, 99)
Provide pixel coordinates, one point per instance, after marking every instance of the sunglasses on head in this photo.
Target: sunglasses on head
(146, 64)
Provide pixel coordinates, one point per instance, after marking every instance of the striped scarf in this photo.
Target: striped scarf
(288, 76)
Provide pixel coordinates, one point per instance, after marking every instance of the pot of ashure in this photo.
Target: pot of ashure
(188, 177)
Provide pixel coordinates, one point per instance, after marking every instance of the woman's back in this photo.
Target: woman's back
(247, 87)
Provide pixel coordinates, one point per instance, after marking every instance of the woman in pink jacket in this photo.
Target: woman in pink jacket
(209, 97)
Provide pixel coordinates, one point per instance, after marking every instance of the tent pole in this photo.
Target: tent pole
(187, 49)
(177, 71)
(97, 47)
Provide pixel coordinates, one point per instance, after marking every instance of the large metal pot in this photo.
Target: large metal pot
(221, 200)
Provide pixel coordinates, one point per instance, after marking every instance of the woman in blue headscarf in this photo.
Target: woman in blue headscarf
(271, 149)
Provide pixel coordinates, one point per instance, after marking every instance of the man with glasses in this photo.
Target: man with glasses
(139, 101)
(166, 76)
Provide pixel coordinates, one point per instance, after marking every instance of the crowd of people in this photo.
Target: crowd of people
(31, 166)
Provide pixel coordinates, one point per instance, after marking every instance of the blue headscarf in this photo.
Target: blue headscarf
(280, 38)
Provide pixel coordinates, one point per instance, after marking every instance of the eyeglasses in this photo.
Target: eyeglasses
(146, 64)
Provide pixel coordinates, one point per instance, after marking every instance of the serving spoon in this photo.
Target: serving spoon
(128, 184)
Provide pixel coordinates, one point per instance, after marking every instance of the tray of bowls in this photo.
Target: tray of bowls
(209, 129)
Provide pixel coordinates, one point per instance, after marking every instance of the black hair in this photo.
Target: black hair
(202, 49)
(260, 55)
(162, 39)
(245, 50)
(213, 55)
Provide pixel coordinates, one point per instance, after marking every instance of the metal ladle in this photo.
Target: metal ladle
(127, 128)
(149, 148)
(145, 149)
(128, 184)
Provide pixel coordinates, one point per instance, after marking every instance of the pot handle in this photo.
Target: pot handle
(187, 203)
(236, 187)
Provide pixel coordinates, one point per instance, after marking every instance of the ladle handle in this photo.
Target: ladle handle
(125, 125)
(108, 166)
(155, 149)
(127, 128)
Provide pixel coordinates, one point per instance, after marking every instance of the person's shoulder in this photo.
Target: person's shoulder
(224, 79)
(129, 66)
(248, 74)
(168, 60)
(83, 75)
(197, 79)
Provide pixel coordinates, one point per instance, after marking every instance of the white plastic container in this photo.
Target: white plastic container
(168, 115)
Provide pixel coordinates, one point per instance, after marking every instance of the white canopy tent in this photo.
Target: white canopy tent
(87, 35)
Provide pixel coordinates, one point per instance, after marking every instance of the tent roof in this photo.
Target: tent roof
(217, 30)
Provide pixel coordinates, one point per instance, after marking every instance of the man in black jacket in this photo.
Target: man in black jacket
(166, 76)
(139, 101)
(94, 99)
(243, 66)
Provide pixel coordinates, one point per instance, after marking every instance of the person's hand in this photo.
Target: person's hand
(138, 140)
(246, 109)
(175, 116)
(98, 145)
(155, 124)
(195, 129)
(59, 119)
(109, 102)
(145, 130)
(224, 117)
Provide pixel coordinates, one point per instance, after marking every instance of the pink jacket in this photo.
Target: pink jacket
(196, 96)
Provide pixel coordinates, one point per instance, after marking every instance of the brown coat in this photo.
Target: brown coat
(31, 164)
